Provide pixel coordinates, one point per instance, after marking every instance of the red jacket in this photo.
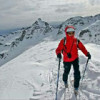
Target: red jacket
(71, 42)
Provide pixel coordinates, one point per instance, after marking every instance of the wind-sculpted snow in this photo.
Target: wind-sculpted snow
(33, 75)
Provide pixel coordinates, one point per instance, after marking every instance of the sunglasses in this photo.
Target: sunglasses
(70, 33)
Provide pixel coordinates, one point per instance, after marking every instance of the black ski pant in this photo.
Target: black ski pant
(67, 67)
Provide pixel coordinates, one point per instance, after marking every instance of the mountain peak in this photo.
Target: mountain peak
(39, 23)
(39, 19)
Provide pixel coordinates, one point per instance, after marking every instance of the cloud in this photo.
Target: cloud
(70, 8)
(94, 2)
(18, 6)
(20, 13)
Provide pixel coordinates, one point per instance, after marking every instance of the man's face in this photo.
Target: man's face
(71, 33)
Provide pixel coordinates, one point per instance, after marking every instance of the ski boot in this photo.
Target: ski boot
(76, 91)
(66, 84)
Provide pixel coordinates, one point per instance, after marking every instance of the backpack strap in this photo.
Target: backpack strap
(65, 41)
(78, 42)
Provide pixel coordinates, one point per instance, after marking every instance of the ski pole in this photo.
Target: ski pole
(85, 68)
(57, 78)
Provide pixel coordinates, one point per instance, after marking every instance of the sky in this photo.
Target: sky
(22, 13)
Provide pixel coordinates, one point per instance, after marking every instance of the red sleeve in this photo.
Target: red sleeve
(82, 48)
(60, 47)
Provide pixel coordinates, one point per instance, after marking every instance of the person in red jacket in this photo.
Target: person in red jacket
(69, 48)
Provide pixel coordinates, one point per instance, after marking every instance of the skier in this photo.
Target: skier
(69, 46)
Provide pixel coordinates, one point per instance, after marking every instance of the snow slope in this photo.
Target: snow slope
(32, 75)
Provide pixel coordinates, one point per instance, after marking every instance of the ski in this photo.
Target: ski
(75, 96)
(67, 92)
(76, 93)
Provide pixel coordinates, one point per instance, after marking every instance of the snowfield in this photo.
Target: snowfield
(33, 74)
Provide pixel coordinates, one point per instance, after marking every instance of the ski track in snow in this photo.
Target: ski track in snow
(33, 74)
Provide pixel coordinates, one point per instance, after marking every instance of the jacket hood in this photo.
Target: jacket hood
(67, 36)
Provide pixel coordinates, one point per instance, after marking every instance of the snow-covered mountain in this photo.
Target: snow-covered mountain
(79, 23)
(13, 44)
(16, 42)
(91, 33)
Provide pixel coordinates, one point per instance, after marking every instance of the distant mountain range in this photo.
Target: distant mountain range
(4, 32)
(14, 43)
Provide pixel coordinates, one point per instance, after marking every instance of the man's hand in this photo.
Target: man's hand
(59, 56)
(89, 55)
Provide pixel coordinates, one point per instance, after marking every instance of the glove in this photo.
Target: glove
(88, 55)
(59, 56)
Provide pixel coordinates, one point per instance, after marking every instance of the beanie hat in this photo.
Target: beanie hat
(68, 28)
